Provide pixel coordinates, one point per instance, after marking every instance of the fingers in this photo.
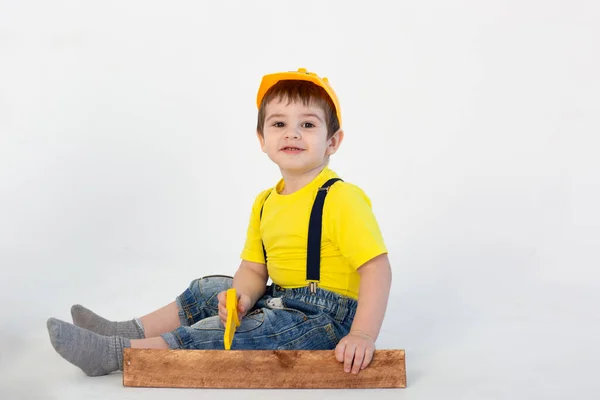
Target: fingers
(349, 357)
(359, 355)
(244, 304)
(356, 358)
(368, 358)
(345, 352)
(339, 351)
(355, 353)
(222, 306)
(241, 304)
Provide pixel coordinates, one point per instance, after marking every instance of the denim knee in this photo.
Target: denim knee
(200, 300)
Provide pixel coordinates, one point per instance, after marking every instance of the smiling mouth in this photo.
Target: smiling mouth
(291, 149)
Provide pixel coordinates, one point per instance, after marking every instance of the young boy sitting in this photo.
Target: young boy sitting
(312, 233)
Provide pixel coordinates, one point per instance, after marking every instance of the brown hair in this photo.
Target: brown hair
(302, 91)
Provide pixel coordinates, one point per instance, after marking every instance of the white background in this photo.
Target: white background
(129, 161)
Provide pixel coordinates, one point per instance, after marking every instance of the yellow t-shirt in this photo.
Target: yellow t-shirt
(350, 234)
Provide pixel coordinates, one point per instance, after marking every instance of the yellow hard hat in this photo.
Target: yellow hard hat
(303, 75)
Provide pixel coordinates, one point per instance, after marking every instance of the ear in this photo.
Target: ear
(335, 142)
(261, 140)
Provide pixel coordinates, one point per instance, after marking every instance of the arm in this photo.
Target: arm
(251, 279)
(357, 348)
(250, 283)
(375, 283)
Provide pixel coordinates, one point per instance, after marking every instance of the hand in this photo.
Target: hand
(244, 304)
(356, 351)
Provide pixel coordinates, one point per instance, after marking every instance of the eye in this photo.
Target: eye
(308, 125)
(279, 124)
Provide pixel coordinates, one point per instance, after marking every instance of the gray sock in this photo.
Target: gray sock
(94, 354)
(87, 319)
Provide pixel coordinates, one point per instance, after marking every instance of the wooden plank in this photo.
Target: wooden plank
(258, 369)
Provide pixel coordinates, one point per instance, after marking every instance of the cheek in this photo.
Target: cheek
(270, 142)
(319, 145)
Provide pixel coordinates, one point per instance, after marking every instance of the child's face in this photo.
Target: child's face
(295, 136)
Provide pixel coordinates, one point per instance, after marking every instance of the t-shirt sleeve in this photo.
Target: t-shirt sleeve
(253, 248)
(352, 226)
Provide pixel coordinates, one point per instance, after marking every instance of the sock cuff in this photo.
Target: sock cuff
(120, 344)
(138, 324)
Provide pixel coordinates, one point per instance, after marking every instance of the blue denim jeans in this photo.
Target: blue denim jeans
(283, 319)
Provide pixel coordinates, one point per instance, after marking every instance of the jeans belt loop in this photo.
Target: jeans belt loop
(342, 309)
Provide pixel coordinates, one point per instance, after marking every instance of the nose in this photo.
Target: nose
(292, 133)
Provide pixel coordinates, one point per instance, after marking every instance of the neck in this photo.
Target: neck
(294, 181)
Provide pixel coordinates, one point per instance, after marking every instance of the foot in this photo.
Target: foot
(90, 321)
(95, 354)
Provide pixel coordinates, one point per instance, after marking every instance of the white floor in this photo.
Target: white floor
(487, 337)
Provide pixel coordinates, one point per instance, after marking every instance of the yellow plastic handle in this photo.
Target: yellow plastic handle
(232, 318)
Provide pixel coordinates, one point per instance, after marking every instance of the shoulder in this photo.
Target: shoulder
(346, 193)
(260, 198)
(349, 214)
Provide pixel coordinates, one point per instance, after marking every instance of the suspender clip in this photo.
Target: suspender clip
(313, 287)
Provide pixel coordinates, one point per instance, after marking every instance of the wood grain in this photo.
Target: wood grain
(258, 369)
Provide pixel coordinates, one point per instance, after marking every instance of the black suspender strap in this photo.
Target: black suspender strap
(260, 218)
(315, 227)
(313, 248)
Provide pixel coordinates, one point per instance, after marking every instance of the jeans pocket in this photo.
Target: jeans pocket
(293, 316)
(305, 310)
(249, 323)
(217, 276)
(318, 338)
(210, 286)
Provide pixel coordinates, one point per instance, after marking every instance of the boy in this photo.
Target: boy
(329, 266)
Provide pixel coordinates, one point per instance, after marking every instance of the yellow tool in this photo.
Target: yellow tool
(232, 317)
